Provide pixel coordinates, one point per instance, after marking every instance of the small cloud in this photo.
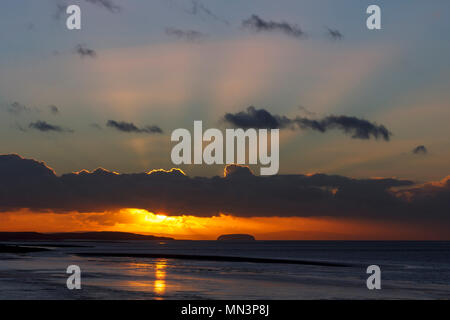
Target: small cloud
(130, 127)
(257, 118)
(109, 5)
(257, 24)
(188, 35)
(106, 4)
(334, 34)
(47, 127)
(53, 109)
(84, 51)
(19, 127)
(237, 170)
(420, 150)
(357, 128)
(199, 9)
(306, 111)
(96, 126)
(60, 10)
(16, 108)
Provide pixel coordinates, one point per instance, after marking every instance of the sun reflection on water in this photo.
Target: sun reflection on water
(158, 285)
(160, 276)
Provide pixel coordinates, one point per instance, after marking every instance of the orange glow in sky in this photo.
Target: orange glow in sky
(209, 228)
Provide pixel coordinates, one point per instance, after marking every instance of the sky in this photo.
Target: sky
(368, 113)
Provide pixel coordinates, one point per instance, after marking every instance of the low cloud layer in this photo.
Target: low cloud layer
(27, 183)
(130, 127)
(262, 119)
(257, 24)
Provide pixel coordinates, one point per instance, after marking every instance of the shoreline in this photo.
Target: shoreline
(20, 249)
(216, 258)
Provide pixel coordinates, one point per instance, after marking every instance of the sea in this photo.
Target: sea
(274, 270)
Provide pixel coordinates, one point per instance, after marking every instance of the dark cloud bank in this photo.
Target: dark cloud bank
(262, 119)
(26, 183)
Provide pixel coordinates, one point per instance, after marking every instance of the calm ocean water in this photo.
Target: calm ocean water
(409, 270)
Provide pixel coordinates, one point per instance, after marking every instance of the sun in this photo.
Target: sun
(148, 216)
(155, 217)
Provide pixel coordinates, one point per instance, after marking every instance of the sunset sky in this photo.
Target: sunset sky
(163, 64)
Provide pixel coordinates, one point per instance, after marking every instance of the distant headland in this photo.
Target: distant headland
(102, 236)
(236, 237)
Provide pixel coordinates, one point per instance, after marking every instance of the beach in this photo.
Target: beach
(225, 270)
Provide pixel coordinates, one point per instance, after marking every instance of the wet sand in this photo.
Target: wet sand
(20, 249)
(216, 258)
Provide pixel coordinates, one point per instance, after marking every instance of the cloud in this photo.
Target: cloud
(106, 4)
(19, 127)
(96, 126)
(60, 10)
(16, 108)
(84, 51)
(420, 150)
(234, 170)
(430, 198)
(262, 119)
(334, 34)
(199, 9)
(257, 24)
(53, 109)
(47, 127)
(109, 5)
(306, 111)
(189, 35)
(131, 127)
(257, 118)
(27, 183)
(357, 128)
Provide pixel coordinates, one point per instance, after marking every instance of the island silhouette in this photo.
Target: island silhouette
(236, 237)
